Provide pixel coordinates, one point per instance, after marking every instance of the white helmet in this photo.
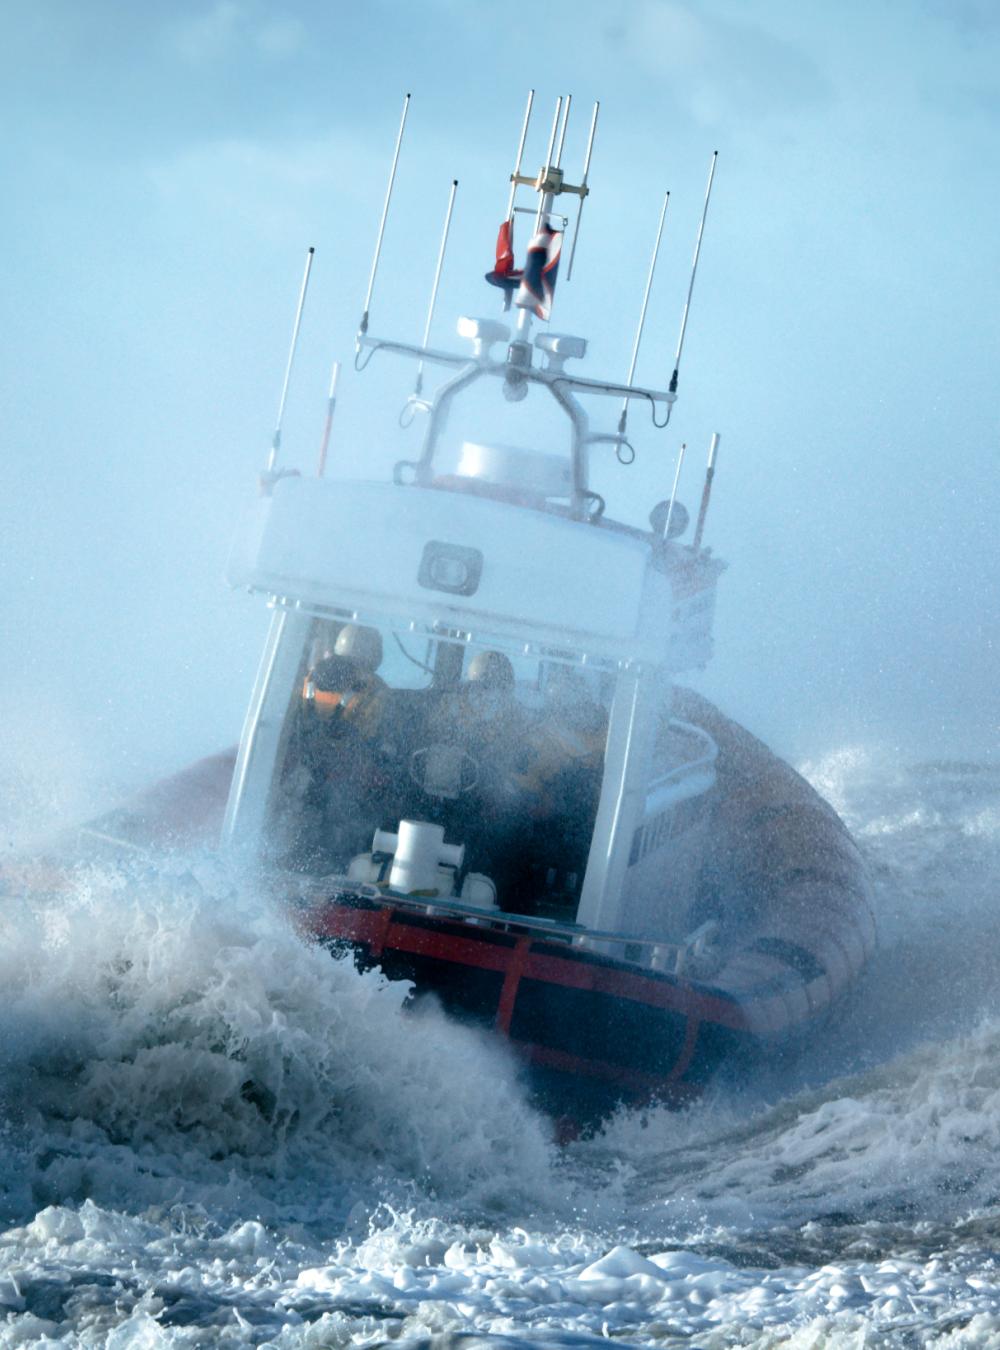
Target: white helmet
(361, 645)
(492, 670)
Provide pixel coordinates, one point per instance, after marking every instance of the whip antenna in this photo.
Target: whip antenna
(673, 492)
(331, 406)
(694, 270)
(583, 187)
(520, 154)
(419, 384)
(706, 493)
(440, 263)
(272, 458)
(562, 134)
(363, 328)
(642, 313)
(548, 162)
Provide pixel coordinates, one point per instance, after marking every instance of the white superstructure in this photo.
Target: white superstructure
(561, 779)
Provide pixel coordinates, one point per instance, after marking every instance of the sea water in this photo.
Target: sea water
(212, 1133)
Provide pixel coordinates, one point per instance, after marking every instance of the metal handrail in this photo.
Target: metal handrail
(562, 386)
(661, 956)
(570, 932)
(705, 761)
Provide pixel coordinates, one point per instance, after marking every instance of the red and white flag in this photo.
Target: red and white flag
(541, 266)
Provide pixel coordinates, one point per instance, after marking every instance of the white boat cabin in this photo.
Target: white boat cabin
(469, 657)
(466, 692)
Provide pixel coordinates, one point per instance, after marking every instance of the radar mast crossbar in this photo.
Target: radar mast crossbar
(527, 361)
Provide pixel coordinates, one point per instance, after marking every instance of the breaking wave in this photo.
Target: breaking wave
(167, 1037)
(215, 1133)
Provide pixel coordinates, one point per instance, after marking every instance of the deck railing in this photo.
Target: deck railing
(647, 952)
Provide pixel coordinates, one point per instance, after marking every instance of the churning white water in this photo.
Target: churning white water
(214, 1134)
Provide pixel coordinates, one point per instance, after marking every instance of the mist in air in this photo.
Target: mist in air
(168, 168)
(214, 1134)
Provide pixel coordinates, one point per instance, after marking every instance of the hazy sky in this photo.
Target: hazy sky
(167, 164)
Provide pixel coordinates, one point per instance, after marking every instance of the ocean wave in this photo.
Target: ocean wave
(166, 1034)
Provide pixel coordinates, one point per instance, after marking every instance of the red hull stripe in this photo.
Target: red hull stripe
(647, 989)
(687, 1050)
(382, 925)
(371, 928)
(512, 979)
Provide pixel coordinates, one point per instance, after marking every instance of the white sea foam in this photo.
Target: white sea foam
(167, 1037)
(215, 1134)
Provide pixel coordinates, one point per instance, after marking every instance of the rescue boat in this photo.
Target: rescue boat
(469, 759)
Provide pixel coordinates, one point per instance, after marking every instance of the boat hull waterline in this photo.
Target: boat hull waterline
(596, 1029)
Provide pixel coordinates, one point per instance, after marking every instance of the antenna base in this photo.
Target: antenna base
(550, 180)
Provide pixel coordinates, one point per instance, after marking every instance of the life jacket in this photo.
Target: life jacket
(359, 706)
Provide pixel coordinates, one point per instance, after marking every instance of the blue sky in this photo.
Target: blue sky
(168, 164)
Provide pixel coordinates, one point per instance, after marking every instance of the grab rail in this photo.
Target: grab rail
(660, 955)
(705, 761)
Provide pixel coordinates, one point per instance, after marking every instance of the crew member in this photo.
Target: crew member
(487, 720)
(344, 751)
(344, 690)
(560, 782)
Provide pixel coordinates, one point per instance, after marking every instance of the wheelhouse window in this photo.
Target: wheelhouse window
(502, 748)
